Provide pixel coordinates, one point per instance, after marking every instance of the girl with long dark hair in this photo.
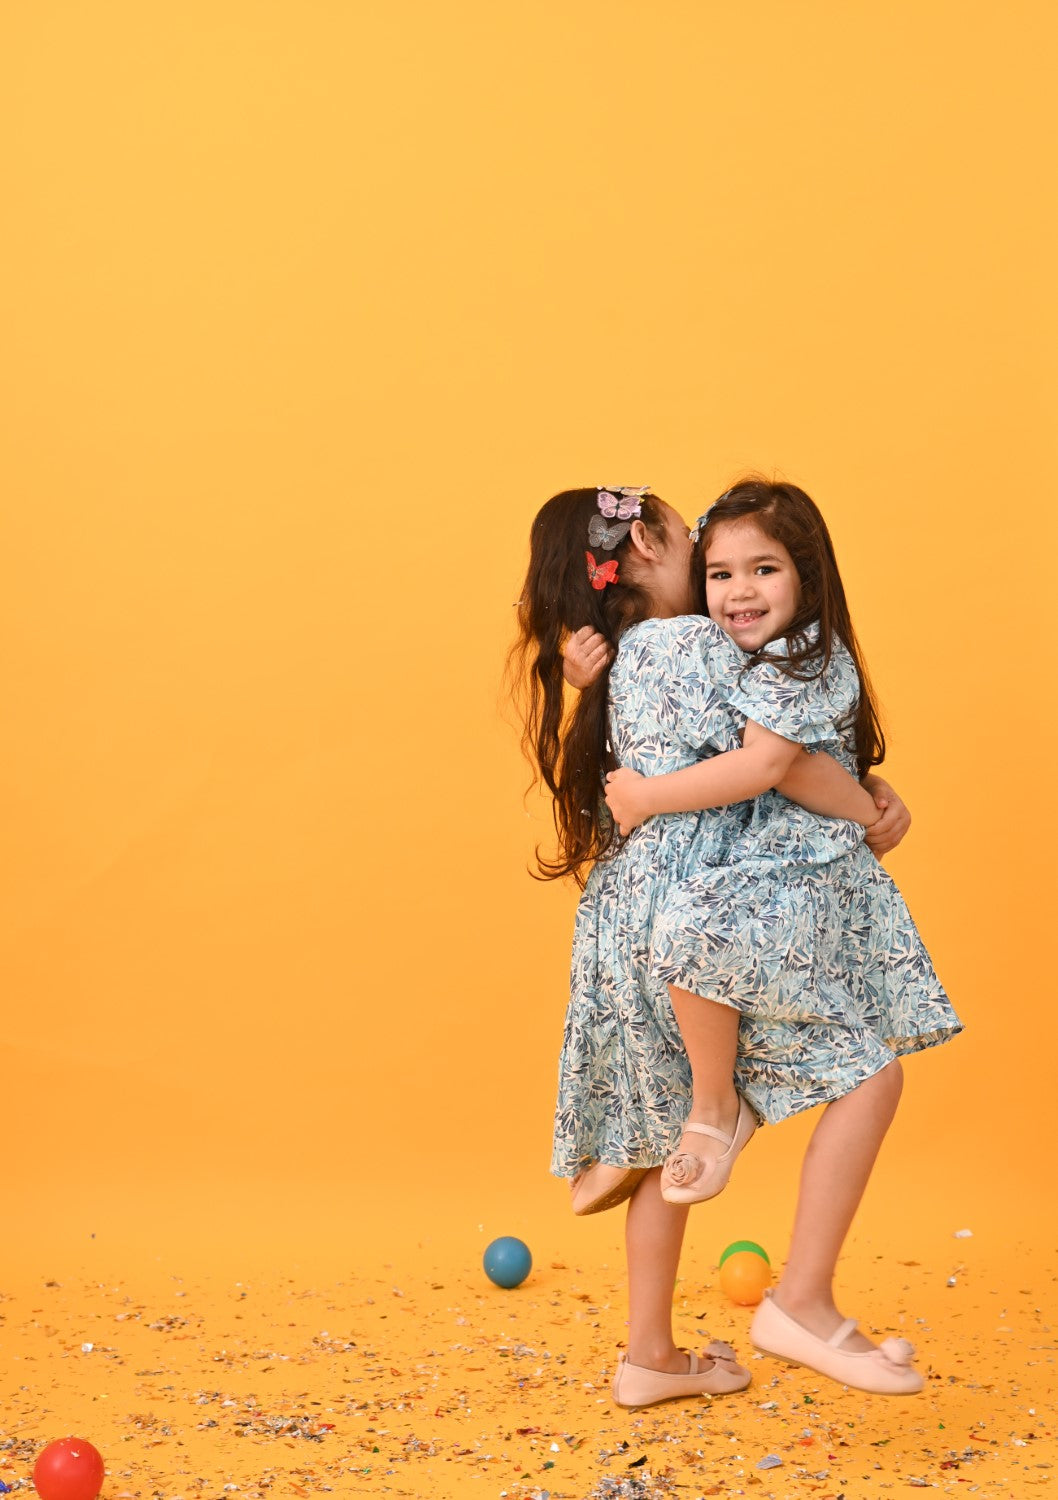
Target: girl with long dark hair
(619, 561)
(796, 974)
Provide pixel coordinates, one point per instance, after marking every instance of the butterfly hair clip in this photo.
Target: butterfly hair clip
(703, 519)
(600, 574)
(624, 503)
(606, 538)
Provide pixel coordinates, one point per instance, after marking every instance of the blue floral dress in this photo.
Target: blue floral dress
(802, 930)
(742, 904)
(624, 1081)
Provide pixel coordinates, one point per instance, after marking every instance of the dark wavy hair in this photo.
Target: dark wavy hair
(567, 746)
(787, 515)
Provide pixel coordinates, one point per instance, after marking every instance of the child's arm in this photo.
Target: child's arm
(818, 783)
(764, 761)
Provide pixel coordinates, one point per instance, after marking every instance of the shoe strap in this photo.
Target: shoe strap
(839, 1335)
(710, 1130)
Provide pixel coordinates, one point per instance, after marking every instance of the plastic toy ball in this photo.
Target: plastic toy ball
(737, 1245)
(68, 1469)
(507, 1261)
(744, 1277)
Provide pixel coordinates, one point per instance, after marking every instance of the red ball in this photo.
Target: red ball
(68, 1469)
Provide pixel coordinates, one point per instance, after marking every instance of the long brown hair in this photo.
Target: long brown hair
(787, 515)
(568, 747)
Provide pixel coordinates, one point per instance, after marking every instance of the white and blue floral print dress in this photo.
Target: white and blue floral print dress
(803, 931)
(785, 915)
(624, 1080)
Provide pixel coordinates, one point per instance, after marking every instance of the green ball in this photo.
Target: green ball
(751, 1245)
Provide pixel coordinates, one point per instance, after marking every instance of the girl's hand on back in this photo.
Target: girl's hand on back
(585, 655)
(894, 822)
(626, 797)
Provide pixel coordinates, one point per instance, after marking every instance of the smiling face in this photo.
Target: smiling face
(751, 585)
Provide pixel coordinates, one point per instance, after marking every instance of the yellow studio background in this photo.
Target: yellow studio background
(306, 310)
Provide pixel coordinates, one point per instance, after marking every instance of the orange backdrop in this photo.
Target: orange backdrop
(306, 310)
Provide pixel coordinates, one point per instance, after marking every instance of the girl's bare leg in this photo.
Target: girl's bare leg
(837, 1166)
(710, 1037)
(653, 1240)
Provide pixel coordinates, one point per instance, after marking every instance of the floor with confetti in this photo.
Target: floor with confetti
(439, 1384)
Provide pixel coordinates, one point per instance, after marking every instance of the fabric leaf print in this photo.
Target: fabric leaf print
(732, 903)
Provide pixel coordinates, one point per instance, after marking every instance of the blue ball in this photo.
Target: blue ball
(507, 1261)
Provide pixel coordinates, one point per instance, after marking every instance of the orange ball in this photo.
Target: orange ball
(745, 1277)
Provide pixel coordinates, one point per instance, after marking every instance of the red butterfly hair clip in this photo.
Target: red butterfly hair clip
(600, 574)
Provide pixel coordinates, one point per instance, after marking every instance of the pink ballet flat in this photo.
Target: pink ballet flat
(686, 1178)
(885, 1371)
(600, 1187)
(636, 1385)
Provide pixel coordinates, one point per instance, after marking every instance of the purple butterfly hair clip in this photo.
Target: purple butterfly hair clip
(624, 502)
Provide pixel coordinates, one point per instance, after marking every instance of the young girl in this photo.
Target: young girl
(619, 561)
(802, 937)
